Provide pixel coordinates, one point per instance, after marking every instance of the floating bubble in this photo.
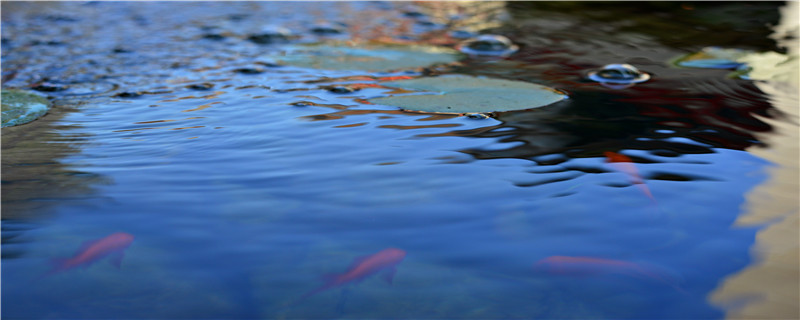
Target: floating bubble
(488, 45)
(621, 74)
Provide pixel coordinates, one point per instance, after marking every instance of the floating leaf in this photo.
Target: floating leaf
(713, 58)
(20, 107)
(468, 94)
(368, 57)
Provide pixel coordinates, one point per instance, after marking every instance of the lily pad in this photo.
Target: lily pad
(713, 58)
(468, 94)
(368, 57)
(20, 107)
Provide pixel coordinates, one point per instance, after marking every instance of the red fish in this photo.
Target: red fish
(385, 260)
(590, 266)
(624, 164)
(113, 245)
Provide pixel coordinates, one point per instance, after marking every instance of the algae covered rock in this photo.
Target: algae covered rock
(367, 57)
(469, 94)
(20, 107)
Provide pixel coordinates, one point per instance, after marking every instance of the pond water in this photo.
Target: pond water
(243, 182)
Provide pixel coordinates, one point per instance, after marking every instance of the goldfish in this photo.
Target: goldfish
(591, 266)
(624, 164)
(113, 245)
(386, 260)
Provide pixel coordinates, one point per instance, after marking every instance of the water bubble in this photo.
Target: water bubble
(618, 74)
(488, 45)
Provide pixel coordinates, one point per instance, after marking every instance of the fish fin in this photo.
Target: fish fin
(388, 276)
(116, 259)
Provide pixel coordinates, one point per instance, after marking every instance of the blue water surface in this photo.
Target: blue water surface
(241, 197)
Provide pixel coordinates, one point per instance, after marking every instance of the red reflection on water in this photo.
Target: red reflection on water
(624, 164)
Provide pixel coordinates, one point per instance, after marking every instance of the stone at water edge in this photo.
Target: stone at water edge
(21, 107)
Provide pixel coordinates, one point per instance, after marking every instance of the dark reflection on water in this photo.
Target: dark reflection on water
(244, 182)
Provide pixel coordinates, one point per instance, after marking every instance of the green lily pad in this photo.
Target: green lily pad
(468, 94)
(713, 58)
(368, 57)
(20, 107)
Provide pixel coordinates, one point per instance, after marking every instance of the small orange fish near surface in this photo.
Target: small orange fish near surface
(591, 266)
(113, 245)
(384, 261)
(624, 164)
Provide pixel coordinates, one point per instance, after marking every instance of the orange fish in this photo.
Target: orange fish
(385, 260)
(113, 245)
(624, 164)
(590, 266)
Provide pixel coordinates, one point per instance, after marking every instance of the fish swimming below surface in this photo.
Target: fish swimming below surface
(624, 164)
(384, 261)
(592, 266)
(113, 245)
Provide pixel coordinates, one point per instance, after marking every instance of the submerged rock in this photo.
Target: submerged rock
(20, 107)
(367, 57)
(468, 94)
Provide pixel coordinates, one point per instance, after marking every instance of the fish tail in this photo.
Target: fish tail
(59, 264)
(309, 294)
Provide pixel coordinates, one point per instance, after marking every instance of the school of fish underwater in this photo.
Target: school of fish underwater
(400, 160)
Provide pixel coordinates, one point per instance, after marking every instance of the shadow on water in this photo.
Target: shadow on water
(34, 178)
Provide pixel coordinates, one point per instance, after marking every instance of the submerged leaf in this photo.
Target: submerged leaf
(368, 57)
(20, 107)
(468, 94)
